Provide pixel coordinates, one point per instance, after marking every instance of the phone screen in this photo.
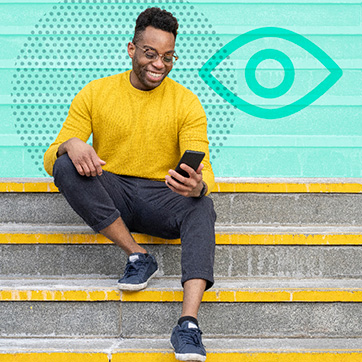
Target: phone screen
(190, 158)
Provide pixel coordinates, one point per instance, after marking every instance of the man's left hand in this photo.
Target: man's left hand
(188, 186)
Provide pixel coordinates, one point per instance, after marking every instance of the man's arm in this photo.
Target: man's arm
(193, 136)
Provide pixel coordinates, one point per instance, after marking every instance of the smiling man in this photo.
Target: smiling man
(142, 122)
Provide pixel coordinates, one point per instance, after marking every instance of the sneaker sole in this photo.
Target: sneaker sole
(136, 287)
(190, 357)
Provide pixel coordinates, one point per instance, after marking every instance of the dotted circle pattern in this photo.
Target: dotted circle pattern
(78, 41)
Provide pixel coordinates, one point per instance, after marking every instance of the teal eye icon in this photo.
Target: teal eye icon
(260, 90)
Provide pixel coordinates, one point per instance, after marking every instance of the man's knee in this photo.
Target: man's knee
(63, 169)
(62, 163)
(207, 206)
(200, 211)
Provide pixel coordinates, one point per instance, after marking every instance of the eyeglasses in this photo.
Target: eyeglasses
(153, 55)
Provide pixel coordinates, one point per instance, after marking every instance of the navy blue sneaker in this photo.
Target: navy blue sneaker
(139, 270)
(186, 341)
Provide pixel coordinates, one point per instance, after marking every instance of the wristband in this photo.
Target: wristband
(203, 191)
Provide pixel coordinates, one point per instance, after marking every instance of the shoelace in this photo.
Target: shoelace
(191, 336)
(132, 268)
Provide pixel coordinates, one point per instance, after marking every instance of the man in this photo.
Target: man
(142, 122)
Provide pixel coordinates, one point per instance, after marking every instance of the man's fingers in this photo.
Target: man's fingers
(201, 166)
(195, 176)
(182, 189)
(79, 169)
(97, 164)
(176, 176)
(189, 186)
(86, 169)
(191, 171)
(90, 166)
(175, 185)
(98, 170)
(84, 158)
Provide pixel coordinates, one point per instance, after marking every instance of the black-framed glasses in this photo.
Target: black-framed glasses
(153, 55)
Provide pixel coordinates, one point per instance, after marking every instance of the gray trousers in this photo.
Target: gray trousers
(145, 206)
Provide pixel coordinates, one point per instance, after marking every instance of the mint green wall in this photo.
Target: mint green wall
(291, 111)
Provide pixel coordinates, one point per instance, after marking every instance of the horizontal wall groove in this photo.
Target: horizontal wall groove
(198, 2)
(336, 31)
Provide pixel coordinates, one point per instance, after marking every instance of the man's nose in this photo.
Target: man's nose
(158, 63)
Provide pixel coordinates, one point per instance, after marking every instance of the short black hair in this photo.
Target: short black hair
(159, 19)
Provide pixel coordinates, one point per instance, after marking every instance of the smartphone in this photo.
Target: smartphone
(190, 158)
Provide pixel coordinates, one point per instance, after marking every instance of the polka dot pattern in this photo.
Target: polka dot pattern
(81, 40)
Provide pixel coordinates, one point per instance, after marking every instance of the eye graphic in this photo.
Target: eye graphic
(286, 63)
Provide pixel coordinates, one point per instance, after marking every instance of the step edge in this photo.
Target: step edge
(225, 235)
(226, 290)
(226, 345)
(220, 228)
(223, 185)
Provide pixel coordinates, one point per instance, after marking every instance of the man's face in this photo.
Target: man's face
(148, 74)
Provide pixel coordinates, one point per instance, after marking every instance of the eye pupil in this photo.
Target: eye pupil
(285, 62)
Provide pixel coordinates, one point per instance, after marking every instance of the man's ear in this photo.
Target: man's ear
(131, 49)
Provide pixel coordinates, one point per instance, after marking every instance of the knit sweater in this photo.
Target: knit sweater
(138, 133)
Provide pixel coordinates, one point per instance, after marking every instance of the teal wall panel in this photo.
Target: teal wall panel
(50, 49)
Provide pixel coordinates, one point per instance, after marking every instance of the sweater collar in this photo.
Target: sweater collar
(136, 91)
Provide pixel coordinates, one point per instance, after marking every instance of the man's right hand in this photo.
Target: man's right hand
(83, 156)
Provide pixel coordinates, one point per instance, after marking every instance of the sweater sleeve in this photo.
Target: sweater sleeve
(193, 136)
(77, 124)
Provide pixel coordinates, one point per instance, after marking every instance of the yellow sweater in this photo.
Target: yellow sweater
(138, 133)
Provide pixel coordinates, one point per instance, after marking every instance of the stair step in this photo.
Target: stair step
(241, 251)
(11, 233)
(225, 290)
(237, 201)
(263, 308)
(289, 278)
(231, 209)
(150, 350)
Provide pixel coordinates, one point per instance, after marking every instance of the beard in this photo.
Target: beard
(143, 79)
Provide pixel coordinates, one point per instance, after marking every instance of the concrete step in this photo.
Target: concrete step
(248, 208)
(262, 308)
(287, 261)
(286, 202)
(241, 251)
(150, 350)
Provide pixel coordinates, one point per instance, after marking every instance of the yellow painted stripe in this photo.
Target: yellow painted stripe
(284, 357)
(221, 239)
(54, 357)
(217, 295)
(27, 238)
(262, 187)
(168, 356)
(28, 187)
(59, 295)
(288, 187)
(288, 239)
(244, 356)
(247, 295)
(327, 296)
(152, 295)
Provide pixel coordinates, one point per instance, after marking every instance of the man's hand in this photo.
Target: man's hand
(83, 156)
(189, 186)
